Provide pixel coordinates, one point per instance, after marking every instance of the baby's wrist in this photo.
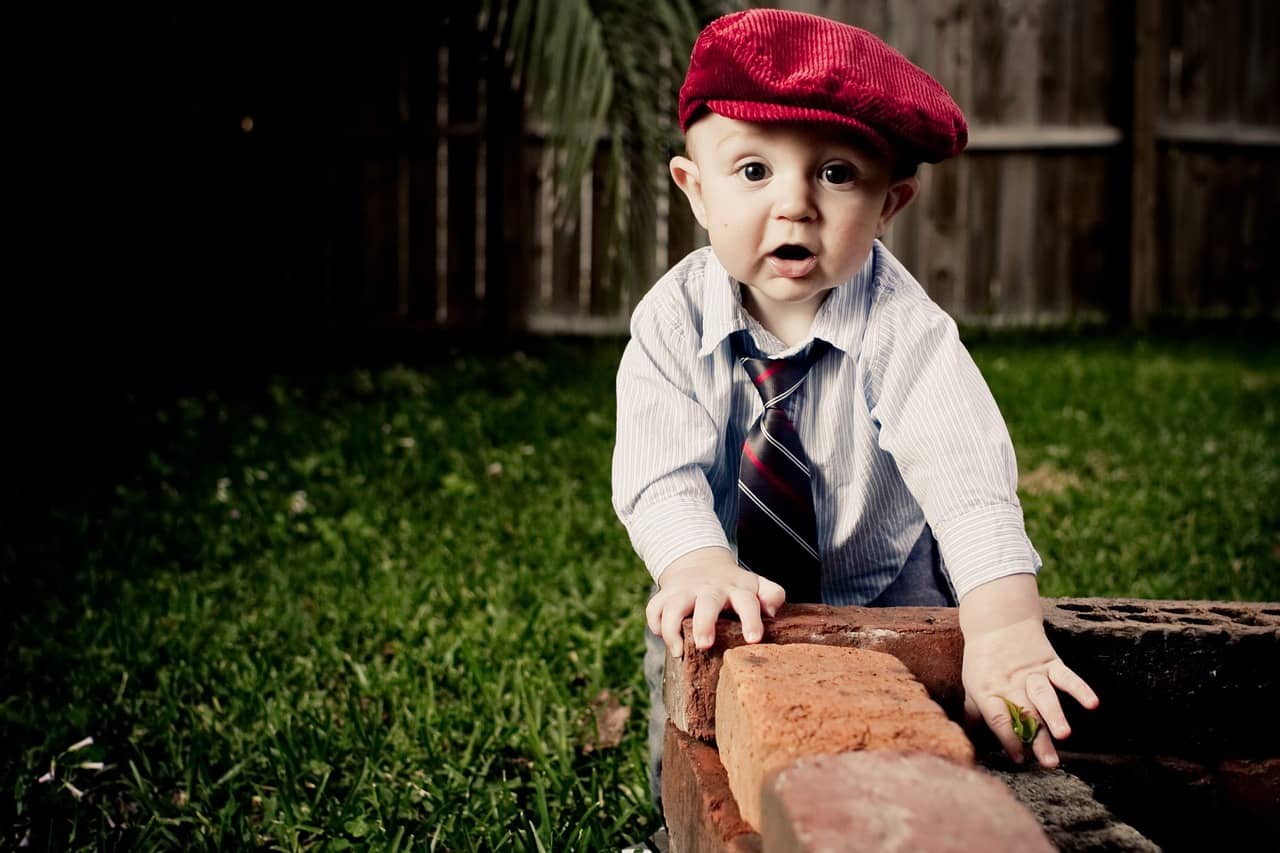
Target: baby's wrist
(1000, 603)
(701, 562)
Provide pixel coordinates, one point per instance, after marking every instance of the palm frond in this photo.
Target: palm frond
(604, 73)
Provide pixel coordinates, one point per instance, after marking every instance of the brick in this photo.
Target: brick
(1202, 664)
(777, 703)
(701, 814)
(1253, 790)
(1186, 804)
(1199, 662)
(926, 639)
(890, 801)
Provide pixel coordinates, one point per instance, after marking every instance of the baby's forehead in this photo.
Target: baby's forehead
(714, 133)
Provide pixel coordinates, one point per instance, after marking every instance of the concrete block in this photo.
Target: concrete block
(1174, 677)
(1066, 809)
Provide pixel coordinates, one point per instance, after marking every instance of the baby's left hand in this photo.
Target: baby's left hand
(1016, 662)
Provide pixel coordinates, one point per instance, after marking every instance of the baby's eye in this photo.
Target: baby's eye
(754, 172)
(837, 173)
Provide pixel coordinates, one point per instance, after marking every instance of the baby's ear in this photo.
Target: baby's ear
(685, 173)
(898, 197)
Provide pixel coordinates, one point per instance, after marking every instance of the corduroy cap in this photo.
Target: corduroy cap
(771, 65)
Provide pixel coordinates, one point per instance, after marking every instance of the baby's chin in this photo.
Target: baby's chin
(783, 290)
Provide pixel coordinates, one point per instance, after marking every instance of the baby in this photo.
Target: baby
(797, 420)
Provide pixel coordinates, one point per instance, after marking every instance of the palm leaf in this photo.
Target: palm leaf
(604, 74)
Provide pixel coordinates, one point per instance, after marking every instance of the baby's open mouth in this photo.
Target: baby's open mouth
(791, 252)
(792, 261)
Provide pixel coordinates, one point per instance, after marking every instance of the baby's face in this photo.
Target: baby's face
(791, 209)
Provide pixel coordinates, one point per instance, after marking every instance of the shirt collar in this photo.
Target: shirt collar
(722, 313)
(840, 321)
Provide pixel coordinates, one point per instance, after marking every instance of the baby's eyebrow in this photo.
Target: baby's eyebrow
(732, 137)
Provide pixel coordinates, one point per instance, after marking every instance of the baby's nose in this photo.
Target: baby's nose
(794, 199)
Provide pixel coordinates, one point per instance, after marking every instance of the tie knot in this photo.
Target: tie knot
(777, 378)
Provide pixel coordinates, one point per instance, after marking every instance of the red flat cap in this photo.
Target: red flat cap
(770, 65)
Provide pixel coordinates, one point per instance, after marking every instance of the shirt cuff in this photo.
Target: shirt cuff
(673, 528)
(986, 544)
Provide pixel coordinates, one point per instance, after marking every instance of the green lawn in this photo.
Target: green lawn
(375, 609)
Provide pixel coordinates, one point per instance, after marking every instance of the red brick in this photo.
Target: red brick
(926, 639)
(1253, 789)
(889, 801)
(1184, 803)
(777, 703)
(701, 814)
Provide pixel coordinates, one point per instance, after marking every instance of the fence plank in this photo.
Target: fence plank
(605, 287)
(441, 196)
(463, 153)
(1020, 91)
(1260, 70)
(422, 83)
(1147, 68)
(508, 277)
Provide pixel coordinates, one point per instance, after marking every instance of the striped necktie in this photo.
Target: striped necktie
(777, 531)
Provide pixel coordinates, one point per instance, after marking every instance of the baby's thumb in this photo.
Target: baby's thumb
(771, 595)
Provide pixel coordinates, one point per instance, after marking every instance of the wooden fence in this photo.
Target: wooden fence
(1122, 164)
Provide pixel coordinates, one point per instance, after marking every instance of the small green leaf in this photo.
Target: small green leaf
(1025, 725)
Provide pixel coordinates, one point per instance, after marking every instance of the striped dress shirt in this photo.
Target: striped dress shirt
(899, 426)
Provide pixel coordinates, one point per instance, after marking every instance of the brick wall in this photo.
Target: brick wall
(840, 733)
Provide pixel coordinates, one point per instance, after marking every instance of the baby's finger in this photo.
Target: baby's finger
(653, 612)
(747, 606)
(705, 613)
(1044, 701)
(771, 595)
(1068, 682)
(674, 609)
(1042, 748)
(996, 714)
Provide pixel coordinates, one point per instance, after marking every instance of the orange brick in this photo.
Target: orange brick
(777, 703)
(892, 801)
(699, 809)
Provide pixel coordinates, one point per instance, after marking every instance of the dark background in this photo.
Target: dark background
(161, 249)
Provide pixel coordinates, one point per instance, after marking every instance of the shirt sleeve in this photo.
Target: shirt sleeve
(666, 442)
(939, 421)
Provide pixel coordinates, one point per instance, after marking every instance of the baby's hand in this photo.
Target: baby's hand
(704, 583)
(1008, 659)
(1016, 663)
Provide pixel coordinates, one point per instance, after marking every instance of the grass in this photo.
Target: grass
(378, 609)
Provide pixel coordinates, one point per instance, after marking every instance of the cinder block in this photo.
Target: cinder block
(1070, 815)
(889, 801)
(1174, 677)
(926, 639)
(701, 814)
(776, 703)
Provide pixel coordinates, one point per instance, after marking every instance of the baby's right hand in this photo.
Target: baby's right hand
(704, 583)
